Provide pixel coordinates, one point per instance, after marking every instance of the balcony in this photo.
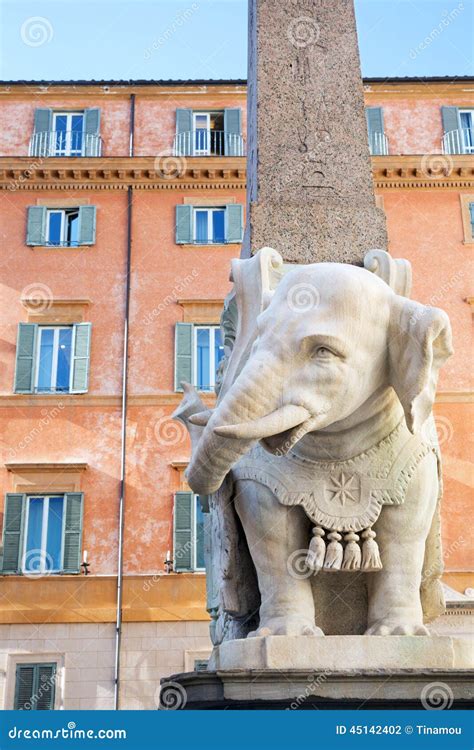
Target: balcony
(208, 143)
(65, 143)
(460, 141)
(378, 144)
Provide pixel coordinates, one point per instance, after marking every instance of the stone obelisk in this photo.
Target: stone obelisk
(310, 193)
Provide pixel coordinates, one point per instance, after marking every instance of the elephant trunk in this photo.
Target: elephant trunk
(247, 401)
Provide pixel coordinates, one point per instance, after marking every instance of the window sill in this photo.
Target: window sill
(193, 245)
(59, 247)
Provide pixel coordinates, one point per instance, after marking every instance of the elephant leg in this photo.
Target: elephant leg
(274, 533)
(394, 592)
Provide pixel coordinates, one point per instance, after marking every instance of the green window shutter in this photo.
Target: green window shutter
(471, 213)
(184, 224)
(232, 129)
(35, 687)
(25, 358)
(234, 222)
(183, 531)
(43, 120)
(450, 118)
(87, 221)
(91, 131)
(374, 117)
(184, 120)
(36, 225)
(81, 358)
(13, 520)
(72, 542)
(183, 355)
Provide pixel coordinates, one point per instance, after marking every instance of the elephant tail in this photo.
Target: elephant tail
(431, 590)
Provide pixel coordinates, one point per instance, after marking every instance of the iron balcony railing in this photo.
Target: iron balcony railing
(460, 141)
(65, 143)
(378, 144)
(208, 143)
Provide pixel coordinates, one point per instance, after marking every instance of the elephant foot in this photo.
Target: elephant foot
(396, 627)
(290, 625)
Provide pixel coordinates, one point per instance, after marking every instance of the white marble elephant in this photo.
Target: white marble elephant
(324, 421)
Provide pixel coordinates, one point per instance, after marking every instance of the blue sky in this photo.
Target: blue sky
(62, 39)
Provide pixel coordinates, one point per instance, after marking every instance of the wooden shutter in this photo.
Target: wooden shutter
(87, 221)
(232, 127)
(183, 531)
(35, 687)
(471, 213)
(184, 120)
(234, 222)
(81, 358)
(91, 128)
(13, 520)
(43, 120)
(183, 355)
(72, 541)
(184, 224)
(25, 358)
(36, 225)
(450, 118)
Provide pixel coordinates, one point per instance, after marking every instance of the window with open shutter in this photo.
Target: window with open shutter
(183, 531)
(183, 368)
(13, 522)
(81, 358)
(36, 226)
(72, 543)
(375, 128)
(35, 687)
(233, 132)
(92, 145)
(234, 222)
(87, 222)
(184, 224)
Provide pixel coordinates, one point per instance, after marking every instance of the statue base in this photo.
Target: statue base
(331, 672)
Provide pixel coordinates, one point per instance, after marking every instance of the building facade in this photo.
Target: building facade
(122, 206)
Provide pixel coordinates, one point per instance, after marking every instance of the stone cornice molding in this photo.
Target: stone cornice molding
(117, 173)
(423, 171)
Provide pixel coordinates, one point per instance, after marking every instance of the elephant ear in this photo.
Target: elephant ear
(419, 344)
(255, 280)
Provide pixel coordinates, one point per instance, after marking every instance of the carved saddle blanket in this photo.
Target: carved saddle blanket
(343, 496)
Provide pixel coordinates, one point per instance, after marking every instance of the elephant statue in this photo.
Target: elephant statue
(320, 459)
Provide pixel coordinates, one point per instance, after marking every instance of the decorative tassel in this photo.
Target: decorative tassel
(370, 551)
(334, 552)
(316, 551)
(352, 553)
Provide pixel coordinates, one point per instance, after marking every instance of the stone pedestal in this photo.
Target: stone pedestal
(310, 189)
(331, 672)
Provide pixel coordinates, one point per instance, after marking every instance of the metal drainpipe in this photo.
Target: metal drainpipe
(123, 438)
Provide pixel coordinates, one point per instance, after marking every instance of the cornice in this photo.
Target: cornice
(213, 173)
(423, 171)
(88, 400)
(118, 173)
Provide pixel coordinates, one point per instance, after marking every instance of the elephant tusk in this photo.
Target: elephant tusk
(278, 421)
(201, 418)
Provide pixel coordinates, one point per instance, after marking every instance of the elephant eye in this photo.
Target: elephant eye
(323, 352)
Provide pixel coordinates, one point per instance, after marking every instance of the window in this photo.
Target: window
(52, 359)
(61, 227)
(67, 133)
(212, 225)
(466, 119)
(42, 551)
(189, 529)
(217, 133)
(198, 353)
(35, 687)
(209, 226)
(53, 366)
(42, 533)
(378, 143)
(208, 352)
